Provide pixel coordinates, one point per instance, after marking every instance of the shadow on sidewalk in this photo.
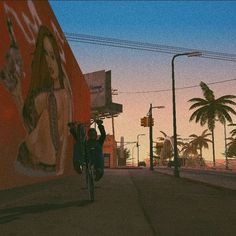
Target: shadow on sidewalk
(10, 214)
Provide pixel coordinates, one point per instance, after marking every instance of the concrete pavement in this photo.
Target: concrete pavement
(224, 179)
(127, 202)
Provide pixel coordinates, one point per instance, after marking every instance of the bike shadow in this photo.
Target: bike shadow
(10, 214)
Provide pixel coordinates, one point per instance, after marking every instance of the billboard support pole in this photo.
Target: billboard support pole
(114, 146)
(113, 126)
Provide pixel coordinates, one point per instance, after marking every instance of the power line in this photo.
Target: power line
(160, 50)
(180, 88)
(144, 46)
(151, 47)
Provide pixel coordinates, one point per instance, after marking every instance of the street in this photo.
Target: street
(127, 202)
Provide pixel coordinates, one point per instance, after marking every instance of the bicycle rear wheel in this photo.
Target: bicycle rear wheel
(90, 184)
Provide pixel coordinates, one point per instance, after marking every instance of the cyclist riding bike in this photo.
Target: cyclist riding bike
(90, 148)
(94, 146)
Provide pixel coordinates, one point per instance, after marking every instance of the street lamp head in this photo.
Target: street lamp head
(194, 54)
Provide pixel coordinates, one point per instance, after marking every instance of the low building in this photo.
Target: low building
(109, 151)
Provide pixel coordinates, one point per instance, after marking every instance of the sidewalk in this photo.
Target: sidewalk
(223, 179)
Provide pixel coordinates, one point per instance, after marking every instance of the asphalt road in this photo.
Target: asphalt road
(128, 202)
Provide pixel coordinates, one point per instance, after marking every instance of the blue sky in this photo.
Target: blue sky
(154, 21)
(193, 24)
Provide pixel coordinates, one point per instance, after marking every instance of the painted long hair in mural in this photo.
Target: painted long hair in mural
(41, 88)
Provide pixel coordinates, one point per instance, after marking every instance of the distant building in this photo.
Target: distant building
(109, 150)
(147, 161)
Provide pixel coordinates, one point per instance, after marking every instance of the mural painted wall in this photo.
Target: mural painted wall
(41, 89)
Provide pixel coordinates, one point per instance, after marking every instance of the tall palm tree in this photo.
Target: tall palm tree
(201, 141)
(209, 109)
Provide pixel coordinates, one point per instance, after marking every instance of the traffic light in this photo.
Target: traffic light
(152, 122)
(144, 121)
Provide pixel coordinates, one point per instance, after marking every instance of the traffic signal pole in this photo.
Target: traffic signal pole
(150, 136)
(148, 121)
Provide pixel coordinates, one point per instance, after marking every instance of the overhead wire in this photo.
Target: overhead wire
(144, 46)
(160, 50)
(152, 47)
(178, 88)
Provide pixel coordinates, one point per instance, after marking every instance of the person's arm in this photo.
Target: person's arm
(102, 132)
(72, 129)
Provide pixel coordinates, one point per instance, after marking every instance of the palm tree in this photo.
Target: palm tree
(201, 141)
(233, 131)
(179, 143)
(166, 151)
(189, 149)
(231, 152)
(209, 109)
(163, 138)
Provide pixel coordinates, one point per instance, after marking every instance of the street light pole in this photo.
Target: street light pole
(151, 132)
(138, 147)
(189, 54)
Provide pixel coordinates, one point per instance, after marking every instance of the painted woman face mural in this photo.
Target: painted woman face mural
(51, 59)
(46, 111)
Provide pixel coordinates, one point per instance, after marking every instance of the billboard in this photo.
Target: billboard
(99, 83)
(41, 89)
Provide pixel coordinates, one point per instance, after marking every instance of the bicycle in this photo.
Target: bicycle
(89, 179)
(87, 162)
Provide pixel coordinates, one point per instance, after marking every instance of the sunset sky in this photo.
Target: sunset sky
(197, 24)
